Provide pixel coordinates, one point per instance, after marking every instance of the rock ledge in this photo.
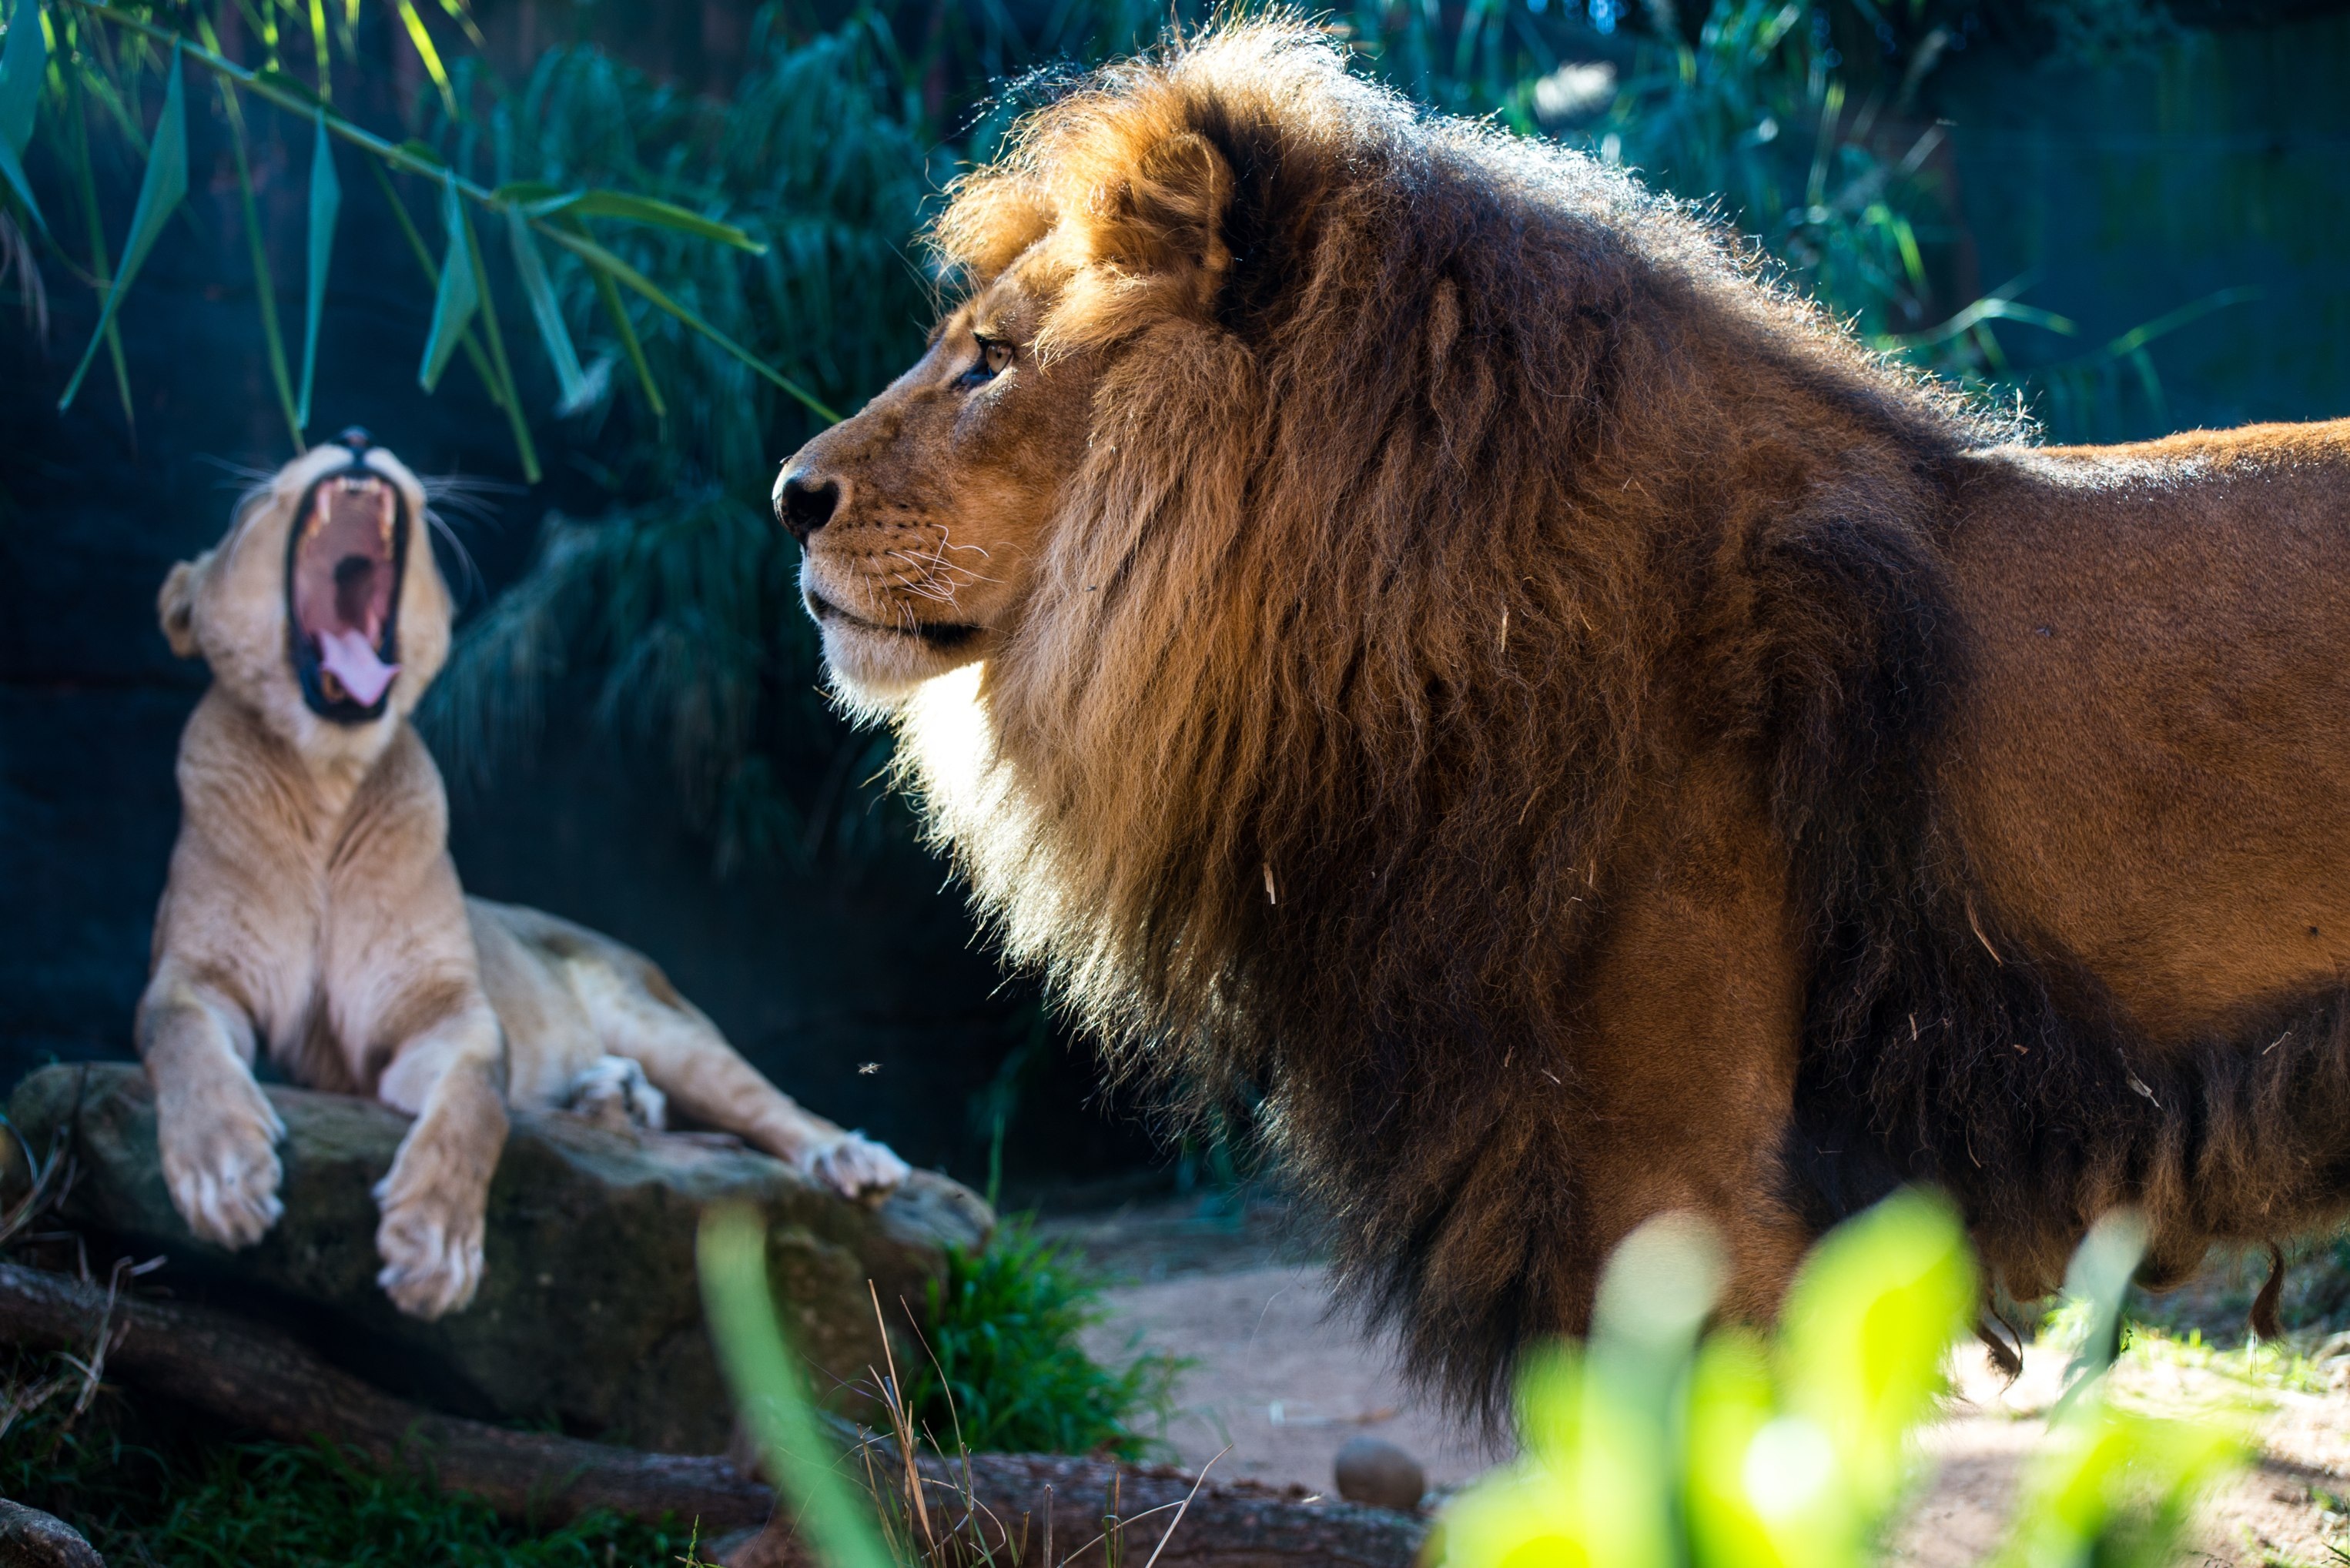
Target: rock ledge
(589, 1312)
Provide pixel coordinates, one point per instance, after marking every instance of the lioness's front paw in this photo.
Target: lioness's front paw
(432, 1250)
(220, 1163)
(856, 1166)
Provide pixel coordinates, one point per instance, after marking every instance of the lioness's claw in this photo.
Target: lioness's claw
(223, 1176)
(856, 1165)
(432, 1255)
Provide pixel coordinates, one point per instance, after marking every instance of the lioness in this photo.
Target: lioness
(312, 905)
(1395, 614)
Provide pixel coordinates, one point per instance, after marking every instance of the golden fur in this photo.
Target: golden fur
(1395, 618)
(312, 908)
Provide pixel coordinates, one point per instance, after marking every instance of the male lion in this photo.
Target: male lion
(1440, 640)
(312, 903)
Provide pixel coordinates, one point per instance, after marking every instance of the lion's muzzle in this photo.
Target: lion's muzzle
(344, 562)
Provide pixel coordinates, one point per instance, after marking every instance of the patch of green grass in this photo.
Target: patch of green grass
(2262, 1364)
(1008, 1371)
(146, 1491)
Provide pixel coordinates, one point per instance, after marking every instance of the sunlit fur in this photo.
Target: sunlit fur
(1537, 703)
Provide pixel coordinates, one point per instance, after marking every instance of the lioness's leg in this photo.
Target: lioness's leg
(691, 1063)
(216, 1130)
(448, 1079)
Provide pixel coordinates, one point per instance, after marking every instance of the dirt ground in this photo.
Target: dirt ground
(1281, 1380)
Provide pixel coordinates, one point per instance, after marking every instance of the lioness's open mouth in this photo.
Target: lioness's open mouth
(942, 635)
(344, 562)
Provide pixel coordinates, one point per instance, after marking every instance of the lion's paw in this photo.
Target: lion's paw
(431, 1244)
(613, 1092)
(220, 1163)
(856, 1166)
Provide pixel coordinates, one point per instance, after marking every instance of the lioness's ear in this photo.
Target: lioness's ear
(175, 605)
(1169, 215)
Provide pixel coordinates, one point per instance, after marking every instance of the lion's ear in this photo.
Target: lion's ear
(175, 605)
(1169, 215)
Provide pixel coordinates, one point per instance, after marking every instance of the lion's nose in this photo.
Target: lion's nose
(805, 503)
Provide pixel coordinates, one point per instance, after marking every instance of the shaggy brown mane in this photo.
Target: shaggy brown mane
(1500, 490)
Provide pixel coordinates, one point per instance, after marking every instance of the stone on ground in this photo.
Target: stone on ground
(589, 1314)
(1375, 1471)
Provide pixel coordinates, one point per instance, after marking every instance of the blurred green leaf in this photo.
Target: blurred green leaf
(1795, 1454)
(325, 202)
(766, 1379)
(2116, 1490)
(12, 171)
(23, 63)
(422, 41)
(456, 298)
(160, 190)
(1878, 1302)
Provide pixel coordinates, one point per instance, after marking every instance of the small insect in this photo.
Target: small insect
(867, 1069)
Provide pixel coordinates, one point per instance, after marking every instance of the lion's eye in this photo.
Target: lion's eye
(994, 359)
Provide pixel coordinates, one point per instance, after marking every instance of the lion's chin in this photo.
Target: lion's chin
(875, 669)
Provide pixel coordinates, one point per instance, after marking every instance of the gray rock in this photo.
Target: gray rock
(1375, 1471)
(589, 1312)
(31, 1539)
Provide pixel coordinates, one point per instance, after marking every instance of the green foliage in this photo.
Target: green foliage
(1008, 1371)
(895, 1516)
(1653, 1447)
(673, 615)
(164, 1497)
(106, 55)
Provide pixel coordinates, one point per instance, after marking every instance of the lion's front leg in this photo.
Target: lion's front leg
(217, 1132)
(434, 1198)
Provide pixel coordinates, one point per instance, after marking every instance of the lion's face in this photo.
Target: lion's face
(924, 518)
(322, 609)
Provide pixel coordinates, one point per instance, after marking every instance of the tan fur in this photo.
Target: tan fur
(1420, 630)
(312, 905)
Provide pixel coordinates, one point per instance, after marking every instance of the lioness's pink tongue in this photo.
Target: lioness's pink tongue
(352, 658)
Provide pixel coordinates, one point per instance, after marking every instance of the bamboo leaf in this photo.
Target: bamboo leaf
(498, 359)
(617, 311)
(325, 202)
(22, 64)
(423, 40)
(604, 260)
(626, 208)
(456, 300)
(14, 172)
(462, 15)
(432, 271)
(318, 44)
(531, 267)
(160, 190)
(101, 268)
(264, 285)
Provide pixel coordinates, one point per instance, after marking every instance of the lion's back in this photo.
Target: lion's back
(2158, 717)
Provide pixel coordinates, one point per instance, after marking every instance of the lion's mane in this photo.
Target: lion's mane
(1493, 487)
